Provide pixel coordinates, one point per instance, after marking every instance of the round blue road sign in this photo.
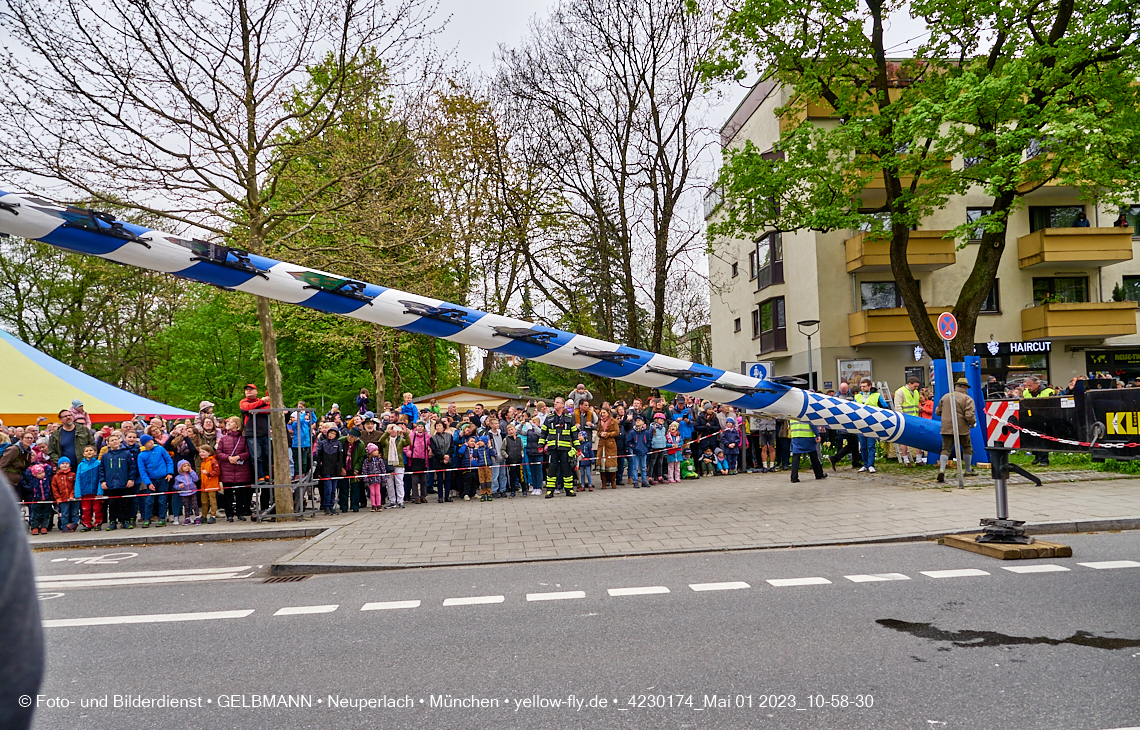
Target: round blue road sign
(947, 326)
(758, 371)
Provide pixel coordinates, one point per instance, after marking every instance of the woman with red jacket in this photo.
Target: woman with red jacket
(234, 462)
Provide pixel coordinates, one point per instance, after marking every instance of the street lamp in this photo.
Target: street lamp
(809, 327)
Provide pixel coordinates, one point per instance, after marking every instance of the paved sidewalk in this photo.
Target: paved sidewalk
(744, 511)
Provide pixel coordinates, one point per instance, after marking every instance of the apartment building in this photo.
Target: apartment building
(1051, 312)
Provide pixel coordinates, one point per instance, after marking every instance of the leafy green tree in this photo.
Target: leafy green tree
(1004, 96)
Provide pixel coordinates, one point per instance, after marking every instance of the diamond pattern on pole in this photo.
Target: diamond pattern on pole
(850, 416)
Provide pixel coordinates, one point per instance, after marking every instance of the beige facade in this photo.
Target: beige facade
(830, 277)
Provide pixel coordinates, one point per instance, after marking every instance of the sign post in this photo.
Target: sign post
(948, 330)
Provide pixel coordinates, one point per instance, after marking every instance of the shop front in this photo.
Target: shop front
(1122, 364)
(1012, 362)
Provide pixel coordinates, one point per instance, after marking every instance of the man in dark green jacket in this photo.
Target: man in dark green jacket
(69, 439)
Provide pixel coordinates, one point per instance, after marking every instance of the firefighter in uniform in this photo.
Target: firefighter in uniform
(559, 437)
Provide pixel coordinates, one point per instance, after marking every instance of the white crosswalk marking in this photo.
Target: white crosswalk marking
(154, 618)
(963, 573)
(875, 577)
(386, 605)
(557, 596)
(730, 586)
(1047, 568)
(300, 610)
(1110, 564)
(783, 582)
(473, 600)
(643, 591)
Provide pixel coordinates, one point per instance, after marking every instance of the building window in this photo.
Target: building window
(880, 295)
(1060, 289)
(773, 331)
(769, 260)
(755, 323)
(992, 305)
(1053, 216)
(751, 265)
(736, 325)
(878, 221)
(972, 215)
(1132, 288)
(735, 269)
(1129, 218)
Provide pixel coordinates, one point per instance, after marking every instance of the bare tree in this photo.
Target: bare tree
(189, 111)
(612, 90)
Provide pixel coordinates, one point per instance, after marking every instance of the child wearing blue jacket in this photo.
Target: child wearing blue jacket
(475, 457)
(657, 445)
(730, 440)
(118, 476)
(156, 474)
(638, 441)
(88, 491)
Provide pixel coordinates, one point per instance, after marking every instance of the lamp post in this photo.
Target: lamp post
(809, 327)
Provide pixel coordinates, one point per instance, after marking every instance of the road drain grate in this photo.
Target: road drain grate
(285, 579)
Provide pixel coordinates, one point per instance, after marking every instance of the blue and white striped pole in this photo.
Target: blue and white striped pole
(94, 234)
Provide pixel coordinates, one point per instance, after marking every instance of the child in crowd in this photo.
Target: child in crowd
(708, 462)
(36, 487)
(657, 443)
(156, 474)
(467, 462)
(63, 492)
(638, 443)
(674, 452)
(584, 460)
(514, 449)
(88, 492)
(373, 471)
(186, 497)
(211, 482)
(730, 440)
(721, 461)
(118, 474)
(484, 452)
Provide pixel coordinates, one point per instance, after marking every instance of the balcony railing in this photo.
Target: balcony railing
(1074, 247)
(1078, 319)
(886, 326)
(871, 252)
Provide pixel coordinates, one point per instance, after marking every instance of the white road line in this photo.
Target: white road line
(1046, 568)
(93, 583)
(385, 605)
(559, 596)
(643, 591)
(154, 618)
(781, 582)
(963, 573)
(140, 574)
(299, 610)
(730, 586)
(472, 600)
(875, 577)
(1110, 564)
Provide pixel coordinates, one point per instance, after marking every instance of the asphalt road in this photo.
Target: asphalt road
(1056, 650)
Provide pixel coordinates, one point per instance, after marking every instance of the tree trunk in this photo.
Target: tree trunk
(378, 366)
(278, 435)
(488, 365)
(397, 381)
(462, 364)
(433, 365)
(981, 279)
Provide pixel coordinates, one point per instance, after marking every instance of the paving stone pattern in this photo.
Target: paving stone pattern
(747, 510)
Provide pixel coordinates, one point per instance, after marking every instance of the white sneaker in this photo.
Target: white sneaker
(862, 469)
(871, 469)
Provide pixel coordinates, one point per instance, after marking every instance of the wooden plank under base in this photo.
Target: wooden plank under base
(1002, 551)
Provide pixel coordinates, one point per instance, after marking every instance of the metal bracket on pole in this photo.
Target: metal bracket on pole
(1002, 529)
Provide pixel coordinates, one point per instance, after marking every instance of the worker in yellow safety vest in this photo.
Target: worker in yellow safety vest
(805, 442)
(867, 445)
(908, 401)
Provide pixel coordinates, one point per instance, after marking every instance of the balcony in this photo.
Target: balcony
(1078, 319)
(877, 182)
(871, 252)
(886, 326)
(1074, 247)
